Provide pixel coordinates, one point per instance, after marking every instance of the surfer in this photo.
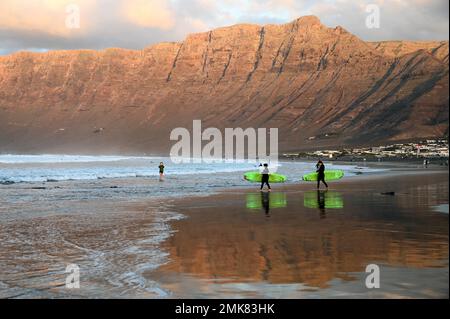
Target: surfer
(265, 177)
(321, 171)
(161, 171)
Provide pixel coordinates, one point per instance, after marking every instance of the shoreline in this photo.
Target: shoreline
(146, 183)
(302, 186)
(350, 180)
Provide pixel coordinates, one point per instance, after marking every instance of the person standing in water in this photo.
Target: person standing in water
(321, 174)
(265, 177)
(161, 171)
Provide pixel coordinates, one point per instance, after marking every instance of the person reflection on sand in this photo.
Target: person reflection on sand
(265, 202)
(321, 203)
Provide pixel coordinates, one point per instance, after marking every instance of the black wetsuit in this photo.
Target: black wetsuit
(265, 178)
(321, 176)
(161, 169)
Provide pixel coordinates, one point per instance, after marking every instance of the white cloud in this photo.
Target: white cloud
(400, 19)
(44, 16)
(40, 24)
(149, 13)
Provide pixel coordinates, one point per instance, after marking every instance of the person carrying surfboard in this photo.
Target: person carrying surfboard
(265, 177)
(161, 171)
(321, 174)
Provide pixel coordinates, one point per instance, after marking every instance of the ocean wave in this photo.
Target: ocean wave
(57, 168)
(29, 159)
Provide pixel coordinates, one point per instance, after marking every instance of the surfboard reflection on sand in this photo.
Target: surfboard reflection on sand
(266, 201)
(323, 200)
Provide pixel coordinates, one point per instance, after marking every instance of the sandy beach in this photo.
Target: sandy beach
(233, 243)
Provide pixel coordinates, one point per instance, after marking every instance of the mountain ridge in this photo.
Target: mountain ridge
(321, 86)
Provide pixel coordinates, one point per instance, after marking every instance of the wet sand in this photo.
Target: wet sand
(292, 243)
(299, 243)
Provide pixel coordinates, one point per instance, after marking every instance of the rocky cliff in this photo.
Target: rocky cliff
(320, 86)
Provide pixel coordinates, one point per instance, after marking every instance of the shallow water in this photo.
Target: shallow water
(111, 244)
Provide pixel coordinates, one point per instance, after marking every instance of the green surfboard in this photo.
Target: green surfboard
(276, 200)
(328, 200)
(331, 175)
(256, 177)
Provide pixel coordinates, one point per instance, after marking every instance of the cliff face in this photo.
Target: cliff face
(304, 78)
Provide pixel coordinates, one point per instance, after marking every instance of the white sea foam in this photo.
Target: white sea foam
(50, 168)
(22, 159)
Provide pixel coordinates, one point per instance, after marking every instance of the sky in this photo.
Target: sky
(41, 25)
